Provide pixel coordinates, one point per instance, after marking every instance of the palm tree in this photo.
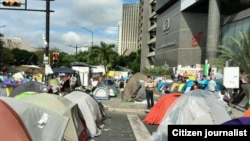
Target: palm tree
(1, 50)
(239, 53)
(104, 53)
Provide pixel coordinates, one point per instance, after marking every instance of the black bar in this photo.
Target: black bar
(36, 10)
(47, 26)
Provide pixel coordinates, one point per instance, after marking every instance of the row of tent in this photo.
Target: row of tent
(196, 107)
(41, 116)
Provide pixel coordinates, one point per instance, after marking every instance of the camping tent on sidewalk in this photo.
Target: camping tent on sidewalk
(29, 86)
(90, 110)
(132, 86)
(158, 111)
(194, 107)
(76, 128)
(50, 129)
(11, 123)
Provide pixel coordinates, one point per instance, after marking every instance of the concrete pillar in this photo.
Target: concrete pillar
(213, 30)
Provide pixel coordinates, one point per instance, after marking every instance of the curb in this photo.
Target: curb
(137, 111)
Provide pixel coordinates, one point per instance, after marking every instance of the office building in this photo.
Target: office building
(129, 29)
(189, 31)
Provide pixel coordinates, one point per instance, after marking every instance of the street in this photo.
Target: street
(118, 128)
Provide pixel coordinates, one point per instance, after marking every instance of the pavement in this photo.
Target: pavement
(124, 121)
(116, 104)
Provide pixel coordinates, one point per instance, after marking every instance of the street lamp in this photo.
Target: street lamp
(76, 47)
(91, 34)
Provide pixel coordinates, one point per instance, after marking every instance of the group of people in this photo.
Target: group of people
(68, 84)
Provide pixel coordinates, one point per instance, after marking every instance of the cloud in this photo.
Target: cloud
(66, 22)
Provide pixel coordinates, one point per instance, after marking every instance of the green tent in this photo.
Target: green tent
(25, 94)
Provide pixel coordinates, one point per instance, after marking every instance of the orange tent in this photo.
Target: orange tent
(247, 113)
(160, 108)
(12, 127)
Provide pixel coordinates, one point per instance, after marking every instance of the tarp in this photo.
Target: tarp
(11, 82)
(158, 111)
(12, 127)
(90, 110)
(75, 130)
(29, 86)
(50, 129)
(194, 107)
(238, 121)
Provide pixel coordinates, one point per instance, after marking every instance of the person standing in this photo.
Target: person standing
(212, 84)
(72, 83)
(150, 85)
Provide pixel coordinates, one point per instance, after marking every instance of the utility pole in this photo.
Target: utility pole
(47, 27)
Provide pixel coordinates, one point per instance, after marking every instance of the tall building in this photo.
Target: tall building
(14, 42)
(189, 31)
(147, 33)
(119, 38)
(129, 29)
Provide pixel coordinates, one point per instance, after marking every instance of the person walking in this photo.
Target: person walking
(150, 85)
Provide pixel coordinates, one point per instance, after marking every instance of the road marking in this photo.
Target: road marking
(140, 131)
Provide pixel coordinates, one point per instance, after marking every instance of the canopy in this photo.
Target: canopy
(63, 70)
(90, 109)
(30, 69)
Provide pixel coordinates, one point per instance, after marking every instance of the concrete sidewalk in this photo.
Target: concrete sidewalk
(116, 104)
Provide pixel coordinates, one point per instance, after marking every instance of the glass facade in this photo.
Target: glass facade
(233, 29)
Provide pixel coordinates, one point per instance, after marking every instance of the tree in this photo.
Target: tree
(1, 51)
(104, 54)
(239, 53)
(24, 57)
(135, 66)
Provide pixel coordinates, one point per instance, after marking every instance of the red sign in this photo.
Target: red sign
(196, 39)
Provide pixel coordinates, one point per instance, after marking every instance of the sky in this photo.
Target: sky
(71, 24)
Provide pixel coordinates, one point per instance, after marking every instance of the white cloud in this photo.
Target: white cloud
(66, 22)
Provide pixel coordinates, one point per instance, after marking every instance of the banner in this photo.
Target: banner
(206, 67)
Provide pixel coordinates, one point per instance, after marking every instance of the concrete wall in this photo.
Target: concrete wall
(168, 40)
(192, 39)
(184, 43)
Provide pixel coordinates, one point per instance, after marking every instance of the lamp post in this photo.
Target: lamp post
(91, 34)
(76, 47)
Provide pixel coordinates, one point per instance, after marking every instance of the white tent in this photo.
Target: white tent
(90, 110)
(194, 107)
